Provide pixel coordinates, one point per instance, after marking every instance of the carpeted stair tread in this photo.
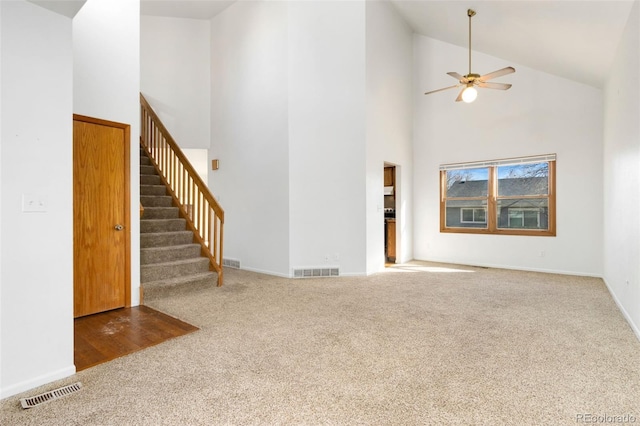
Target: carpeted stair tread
(155, 255)
(175, 286)
(181, 280)
(153, 190)
(173, 269)
(146, 169)
(160, 213)
(150, 180)
(162, 225)
(158, 239)
(156, 200)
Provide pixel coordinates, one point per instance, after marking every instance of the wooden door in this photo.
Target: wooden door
(101, 213)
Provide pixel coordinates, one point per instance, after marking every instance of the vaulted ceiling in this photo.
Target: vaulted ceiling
(64, 7)
(193, 9)
(572, 39)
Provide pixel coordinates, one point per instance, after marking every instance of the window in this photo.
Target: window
(514, 196)
(524, 218)
(473, 215)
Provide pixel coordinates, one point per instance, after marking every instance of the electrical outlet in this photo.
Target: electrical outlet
(326, 258)
(336, 256)
(541, 253)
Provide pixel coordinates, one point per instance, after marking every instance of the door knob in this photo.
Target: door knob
(118, 227)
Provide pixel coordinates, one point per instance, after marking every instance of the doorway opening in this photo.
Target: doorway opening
(390, 212)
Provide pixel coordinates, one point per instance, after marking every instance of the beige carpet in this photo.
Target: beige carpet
(420, 344)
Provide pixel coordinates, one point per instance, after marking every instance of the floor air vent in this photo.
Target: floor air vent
(34, 401)
(231, 263)
(316, 272)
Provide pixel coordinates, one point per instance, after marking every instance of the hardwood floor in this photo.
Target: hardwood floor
(108, 335)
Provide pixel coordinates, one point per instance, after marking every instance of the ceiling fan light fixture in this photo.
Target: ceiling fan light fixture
(469, 94)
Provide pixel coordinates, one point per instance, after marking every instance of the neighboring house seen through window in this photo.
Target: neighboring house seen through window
(513, 196)
(473, 215)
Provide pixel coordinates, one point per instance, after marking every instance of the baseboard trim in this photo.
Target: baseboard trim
(353, 274)
(514, 268)
(625, 314)
(261, 271)
(37, 381)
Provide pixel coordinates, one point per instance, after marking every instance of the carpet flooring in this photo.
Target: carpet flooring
(419, 344)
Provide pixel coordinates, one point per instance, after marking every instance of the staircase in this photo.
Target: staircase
(169, 258)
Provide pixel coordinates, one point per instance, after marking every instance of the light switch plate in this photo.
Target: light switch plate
(34, 203)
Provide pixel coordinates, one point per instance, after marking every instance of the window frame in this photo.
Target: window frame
(492, 198)
(523, 211)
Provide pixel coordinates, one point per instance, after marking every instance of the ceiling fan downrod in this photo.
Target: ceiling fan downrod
(470, 14)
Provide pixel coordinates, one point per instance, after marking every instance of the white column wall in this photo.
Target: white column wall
(249, 133)
(1, 180)
(327, 135)
(540, 114)
(288, 126)
(389, 50)
(106, 85)
(36, 260)
(175, 76)
(622, 174)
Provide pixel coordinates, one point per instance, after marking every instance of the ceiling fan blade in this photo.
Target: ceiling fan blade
(459, 98)
(503, 71)
(499, 86)
(458, 77)
(440, 90)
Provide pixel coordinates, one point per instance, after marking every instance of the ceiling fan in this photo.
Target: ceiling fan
(469, 81)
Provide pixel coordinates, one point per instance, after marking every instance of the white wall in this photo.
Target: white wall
(199, 159)
(36, 262)
(389, 50)
(249, 132)
(327, 131)
(106, 85)
(288, 125)
(540, 114)
(622, 174)
(1, 392)
(175, 76)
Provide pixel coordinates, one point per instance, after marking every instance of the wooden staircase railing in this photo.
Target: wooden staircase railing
(201, 210)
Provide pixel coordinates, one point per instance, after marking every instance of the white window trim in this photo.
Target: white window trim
(473, 214)
(522, 209)
(504, 162)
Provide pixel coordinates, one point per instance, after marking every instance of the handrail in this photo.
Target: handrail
(204, 216)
